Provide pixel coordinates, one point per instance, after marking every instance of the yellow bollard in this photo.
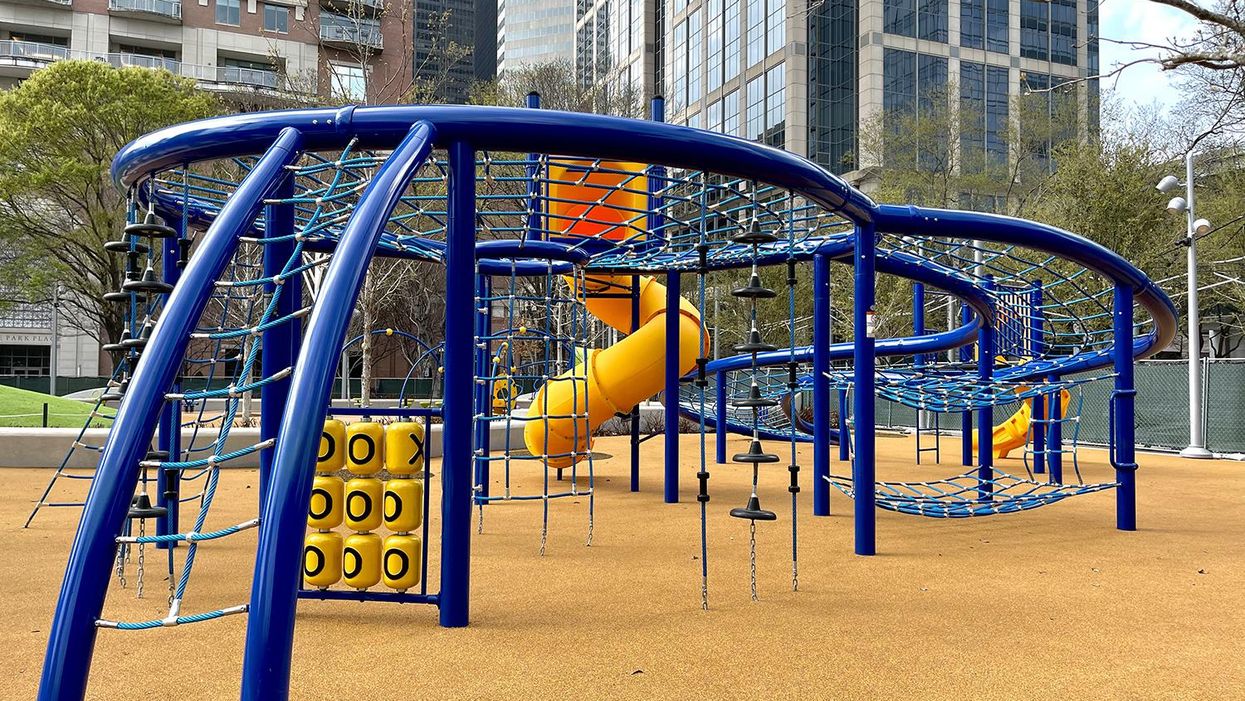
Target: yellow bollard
(325, 511)
(322, 559)
(361, 560)
(404, 505)
(363, 504)
(404, 448)
(364, 444)
(332, 455)
(401, 559)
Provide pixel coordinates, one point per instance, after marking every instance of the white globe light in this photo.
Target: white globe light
(1177, 205)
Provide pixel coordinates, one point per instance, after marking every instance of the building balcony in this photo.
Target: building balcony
(45, 3)
(352, 7)
(349, 32)
(33, 53)
(249, 77)
(157, 10)
(123, 60)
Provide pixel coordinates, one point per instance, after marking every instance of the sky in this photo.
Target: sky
(1139, 20)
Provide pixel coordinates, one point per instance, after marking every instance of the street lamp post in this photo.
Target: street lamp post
(1193, 228)
(54, 355)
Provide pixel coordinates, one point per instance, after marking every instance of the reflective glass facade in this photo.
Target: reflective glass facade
(833, 104)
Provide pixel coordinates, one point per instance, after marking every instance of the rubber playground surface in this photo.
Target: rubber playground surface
(1050, 603)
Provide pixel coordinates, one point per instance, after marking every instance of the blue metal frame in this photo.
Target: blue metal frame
(821, 385)
(411, 132)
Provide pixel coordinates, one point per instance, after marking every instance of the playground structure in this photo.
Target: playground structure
(552, 218)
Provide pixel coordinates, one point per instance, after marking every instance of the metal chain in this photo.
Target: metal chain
(142, 531)
(480, 521)
(704, 593)
(752, 560)
(795, 576)
(544, 535)
(590, 525)
(121, 565)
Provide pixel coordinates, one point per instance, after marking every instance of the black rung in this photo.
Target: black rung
(754, 512)
(751, 292)
(150, 230)
(123, 246)
(755, 455)
(754, 348)
(147, 286)
(751, 402)
(754, 237)
(117, 296)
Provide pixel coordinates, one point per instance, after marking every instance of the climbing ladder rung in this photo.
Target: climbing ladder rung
(171, 621)
(190, 537)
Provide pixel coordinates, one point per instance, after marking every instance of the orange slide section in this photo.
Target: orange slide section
(1014, 432)
(612, 380)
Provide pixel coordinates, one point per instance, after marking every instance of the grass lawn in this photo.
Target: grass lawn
(19, 407)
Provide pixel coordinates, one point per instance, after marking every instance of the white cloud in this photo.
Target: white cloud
(1140, 20)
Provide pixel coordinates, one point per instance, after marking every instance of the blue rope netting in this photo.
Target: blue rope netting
(968, 495)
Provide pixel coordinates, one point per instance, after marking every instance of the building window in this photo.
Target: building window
(348, 82)
(912, 85)
(1063, 32)
(714, 33)
(998, 102)
(1035, 29)
(931, 21)
(984, 103)
(730, 63)
(776, 33)
(756, 31)
(730, 113)
(678, 68)
(996, 25)
(277, 19)
(25, 361)
(229, 12)
(775, 105)
(695, 60)
(899, 17)
(756, 107)
(713, 116)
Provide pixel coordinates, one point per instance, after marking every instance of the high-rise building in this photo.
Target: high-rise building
(531, 32)
(805, 75)
(275, 50)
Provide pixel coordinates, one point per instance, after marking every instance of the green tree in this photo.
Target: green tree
(59, 131)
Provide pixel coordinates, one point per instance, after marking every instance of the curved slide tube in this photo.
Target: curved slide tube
(1014, 432)
(568, 408)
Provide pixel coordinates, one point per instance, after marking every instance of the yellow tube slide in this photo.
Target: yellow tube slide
(1014, 432)
(612, 380)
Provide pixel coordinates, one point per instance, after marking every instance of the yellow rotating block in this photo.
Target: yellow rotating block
(404, 505)
(322, 559)
(404, 448)
(363, 504)
(364, 445)
(402, 562)
(361, 560)
(332, 455)
(327, 495)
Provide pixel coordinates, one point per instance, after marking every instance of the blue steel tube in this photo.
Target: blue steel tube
(985, 414)
(821, 385)
(168, 482)
(719, 411)
(72, 638)
(277, 573)
(1124, 458)
(863, 468)
(1039, 401)
(845, 438)
(673, 318)
(459, 376)
(635, 411)
(279, 342)
(966, 417)
(534, 228)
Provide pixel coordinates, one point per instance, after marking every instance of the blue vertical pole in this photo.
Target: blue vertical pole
(1123, 458)
(534, 228)
(863, 468)
(918, 359)
(459, 379)
(821, 385)
(1039, 401)
(719, 411)
(280, 341)
(635, 411)
(168, 482)
(483, 392)
(966, 417)
(673, 318)
(985, 415)
(1054, 433)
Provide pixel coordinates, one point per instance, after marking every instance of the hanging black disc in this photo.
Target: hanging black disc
(754, 235)
(148, 284)
(754, 290)
(142, 508)
(754, 512)
(754, 344)
(117, 296)
(755, 454)
(754, 399)
(151, 230)
(124, 246)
